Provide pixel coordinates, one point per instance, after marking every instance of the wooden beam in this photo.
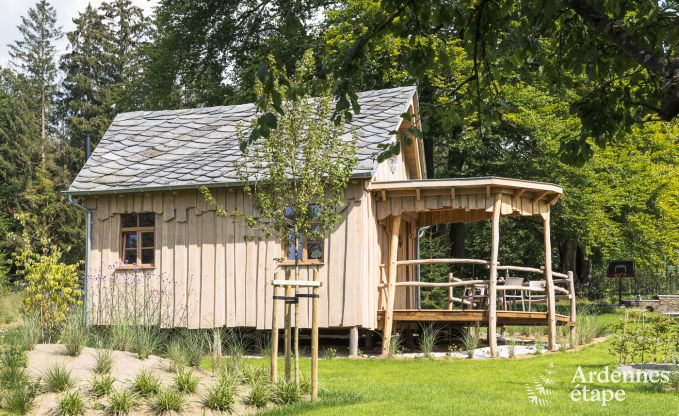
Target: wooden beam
(297, 283)
(492, 292)
(384, 195)
(417, 194)
(274, 337)
(391, 281)
(516, 198)
(551, 301)
(314, 339)
(540, 195)
(353, 341)
(441, 261)
(554, 200)
(452, 196)
(571, 287)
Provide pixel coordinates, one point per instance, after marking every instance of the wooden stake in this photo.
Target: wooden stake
(549, 283)
(571, 289)
(274, 337)
(450, 292)
(391, 280)
(296, 340)
(492, 284)
(314, 340)
(216, 349)
(288, 317)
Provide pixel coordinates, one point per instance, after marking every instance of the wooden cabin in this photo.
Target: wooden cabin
(159, 252)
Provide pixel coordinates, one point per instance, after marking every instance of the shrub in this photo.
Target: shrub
(27, 334)
(588, 328)
(260, 395)
(71, 404)
(511, 348)
(429, 337)
(220, 396)
(288, 392)
(103, 361)
(13, 363)
(396, 344)
(145, 341)
(176, 354)
(74, 335)
(122, 336)
(10, 306)
(330, 353)
(185, 381)
(470, 340)
(19, 398)
(101, 385)
(673, 382)
(121, 402)
(51, 287)
(168, 400)
(145, 384)
(57, 378)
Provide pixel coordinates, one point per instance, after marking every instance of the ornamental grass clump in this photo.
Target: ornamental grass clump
(145, 384)
(74, 334)
(429, 337)
(121, 403)
(103, 361)
(57, 378)
(101, 385)
(186, 381)
(221, 396)
(470, 340)
(71, 404)
(168, 401)
(260, 394)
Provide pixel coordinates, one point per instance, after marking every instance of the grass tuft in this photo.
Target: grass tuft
(121, 402)
(145, 342)
(74, 335)
(57, 378)
(71, 404)
(221, 396)
(429, 337)
(470, 340)
(103, 361)
(185, 381)
(167, 401)
(101, 385)
(260, 395)
(145, 384)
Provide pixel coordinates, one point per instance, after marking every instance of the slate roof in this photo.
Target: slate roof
(153, 150)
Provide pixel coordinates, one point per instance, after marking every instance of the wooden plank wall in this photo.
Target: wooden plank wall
(207, 274)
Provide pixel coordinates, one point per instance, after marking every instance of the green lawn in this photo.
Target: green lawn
(471, 387)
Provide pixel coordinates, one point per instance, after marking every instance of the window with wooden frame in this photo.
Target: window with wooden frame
(310, 251)
(138, 232)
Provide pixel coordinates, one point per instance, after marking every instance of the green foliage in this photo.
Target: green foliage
(260, 394)
(644, 337)
(121, 402)
(101, 385)
(146, 341)
(470, 340)
(168, 401)
(10, 304)
(57, 378)
(329, 353)
(430, 335)
(288, 392)
(19, 399)
(103, 361)
(51, 287)
(71, 404)
(75, 333)
(122, 336)
(177, 355)
(221, 396)
(25, 335)
(186, 381)
(145, 384)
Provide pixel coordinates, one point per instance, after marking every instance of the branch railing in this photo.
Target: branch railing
(453, 282)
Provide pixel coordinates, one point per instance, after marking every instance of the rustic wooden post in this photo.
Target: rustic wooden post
(216, 349)
(492, 284)
(450, 292)
(571, 289)
(288, 318)
(314, 339)
(274, 335)
(549, 283)
(296, 338)
(353, 341)
(391, 282)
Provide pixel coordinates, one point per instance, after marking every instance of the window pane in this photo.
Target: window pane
(147, 240)
(147, 256)
(129, 220)
(290, 251)
(130, 256)
(289, 214)
(130, 240)
(315, 250)
(147, 220)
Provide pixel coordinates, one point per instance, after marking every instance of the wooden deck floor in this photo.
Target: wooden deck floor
(471, 316)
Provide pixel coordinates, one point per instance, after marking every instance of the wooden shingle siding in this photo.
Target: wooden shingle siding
(208, 274)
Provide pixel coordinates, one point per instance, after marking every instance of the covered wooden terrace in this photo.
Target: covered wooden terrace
(446, 201)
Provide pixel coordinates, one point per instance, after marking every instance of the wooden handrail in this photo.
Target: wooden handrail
(442, 284)
(442, 261)
(521, 269)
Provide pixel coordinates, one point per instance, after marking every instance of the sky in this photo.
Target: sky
(12, 10)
